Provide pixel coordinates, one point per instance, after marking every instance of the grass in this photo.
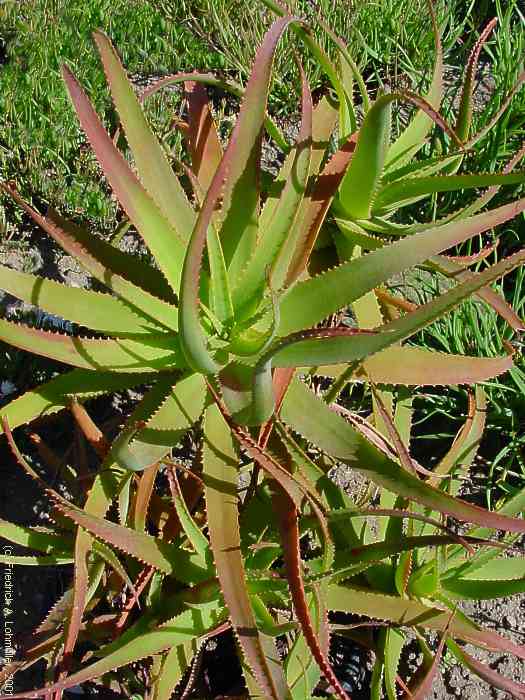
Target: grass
(40, 143)
(41, 146)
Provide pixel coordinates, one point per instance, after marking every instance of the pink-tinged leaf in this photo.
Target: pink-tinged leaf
(230, 87)
(450, 268)
(107, 264)
(496, 680)
(296, 487)
(407, 612)
(153, 551)
(411, 366)
(150, 158)
(97, 504)
(424, 687)
(464, 119)
(316, 206)
(467, 260)
(241, 187)
(149, 550)
(467, 441)
(181, 629)
(287, 515)
(278, 229)
(238, 167)
(123, 355)
(313, 419)
(220, 475)
(281, 380)
(91, 431)
(202, 137)
(402, 452)
(143, 496)
(158, 234)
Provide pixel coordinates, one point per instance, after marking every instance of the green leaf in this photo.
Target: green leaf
(56, 394)
(28, 560)
(392, 641)
(323, 346)
(100, 312)
(310, 302)
(156, 352)
(183, 628)
(191, 529)
(124, 274)
(474, 589)
(165, 413)
(399, 194)
(220, 478)
(174, 665)
(360, 182)
(154, 170)
(46, 542)
(405, 612)
(150, 222)
(312, 418)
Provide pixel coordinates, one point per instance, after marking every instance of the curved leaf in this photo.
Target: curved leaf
(312, 418)
(56, 394)
(412, 366)
(184, 627)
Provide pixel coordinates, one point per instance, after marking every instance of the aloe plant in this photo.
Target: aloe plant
(220, 327)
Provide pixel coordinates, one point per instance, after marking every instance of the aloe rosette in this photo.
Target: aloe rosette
(220, 327)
